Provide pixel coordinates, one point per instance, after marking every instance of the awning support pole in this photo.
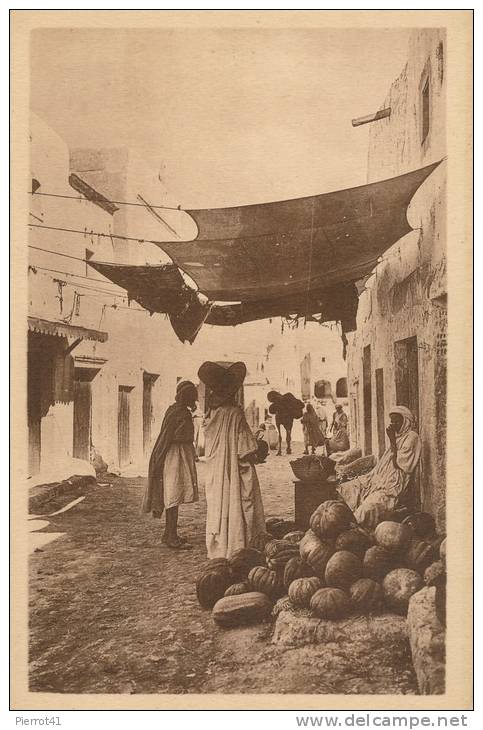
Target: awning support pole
(381, 114)
(69, 349)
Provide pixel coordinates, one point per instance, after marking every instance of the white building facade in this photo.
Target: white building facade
(100, 369)
(398, 353)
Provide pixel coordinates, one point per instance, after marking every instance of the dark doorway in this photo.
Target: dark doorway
(354, 414)
(367, 395)
(34, 409)
(42, 351)
(83, 412)
(381, 425)
(407, 374)
(305, 377)
(148, 382)
(322, 389)
(123, 424)
(407, 394)
(341, 388)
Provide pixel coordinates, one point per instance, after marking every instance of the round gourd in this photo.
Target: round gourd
(435, 573)
(377, 563)
(343, 569)
(301, 591)
(215, 564)
(442, 552)
(309, 542)
(280, 562)
(294, 537)
(264, 580)
(283, 604)
(259, 541)
(274, 526)
(398, 587)
(331, 603)
(280, 553)
(283, 529)
(212, 584)
(366, 596)
(278, 528)
(398, 514)
(275, 546)
(356, 540)
(243, 609)
(296, 568)
(319, 557)
(330, 519)
(237, 589)
(419, 555)
(272, 521)
(243, 560)
(393, 536)
(422, 524)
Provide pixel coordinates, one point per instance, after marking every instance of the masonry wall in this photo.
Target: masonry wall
(406, 296)
(58, 277)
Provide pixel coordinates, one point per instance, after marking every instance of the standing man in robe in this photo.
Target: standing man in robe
(321, 412)
(234, 503)
(172, 476)
(339, 420)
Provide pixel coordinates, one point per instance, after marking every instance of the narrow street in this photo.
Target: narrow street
(114, 611)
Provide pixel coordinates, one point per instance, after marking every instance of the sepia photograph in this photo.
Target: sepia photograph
(240, 240)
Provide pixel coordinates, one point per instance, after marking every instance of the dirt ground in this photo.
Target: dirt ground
(114, 611)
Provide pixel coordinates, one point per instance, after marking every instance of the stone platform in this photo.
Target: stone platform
(427, 640)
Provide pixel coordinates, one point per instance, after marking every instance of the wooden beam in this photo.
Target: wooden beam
(381, 114)
(72, 346)
(156, 215)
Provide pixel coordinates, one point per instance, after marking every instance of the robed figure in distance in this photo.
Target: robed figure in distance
(234, 503)
(313, 436)
(172, 476)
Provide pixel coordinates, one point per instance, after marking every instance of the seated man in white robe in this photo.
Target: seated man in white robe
(377, 493)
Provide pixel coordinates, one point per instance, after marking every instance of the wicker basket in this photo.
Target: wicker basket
(356, 468)
(309, 469)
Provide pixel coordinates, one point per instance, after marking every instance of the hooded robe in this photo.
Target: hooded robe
(172, 471)
(311, 428)
(234, 503)
(373, 494)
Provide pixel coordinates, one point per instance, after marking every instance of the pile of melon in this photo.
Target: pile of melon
(336, 569)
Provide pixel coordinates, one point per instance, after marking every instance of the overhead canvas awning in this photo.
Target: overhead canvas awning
(156, 288)
(254, 252)
(160, 289)
(337, 303)
(62, 329)
(297, 257)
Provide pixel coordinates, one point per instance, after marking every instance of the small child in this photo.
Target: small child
(262, 451)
